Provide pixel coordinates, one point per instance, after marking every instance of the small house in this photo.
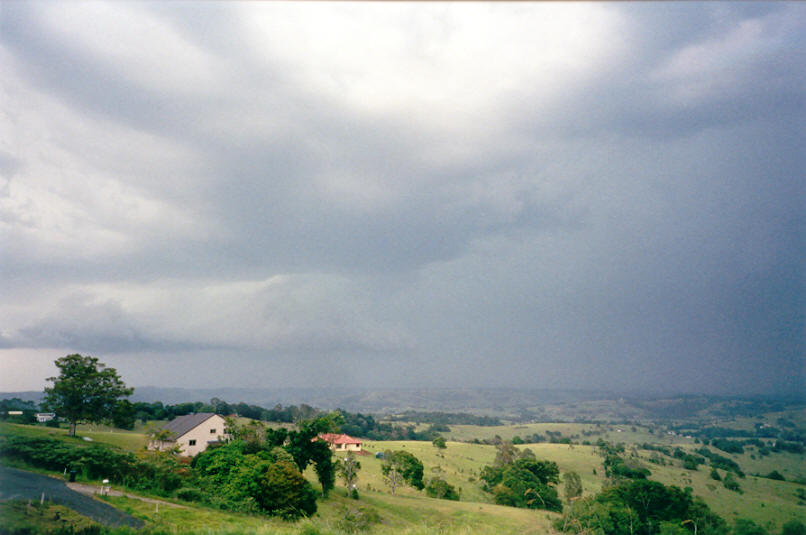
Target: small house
(192, 433)
(43, 417)
(339, 442)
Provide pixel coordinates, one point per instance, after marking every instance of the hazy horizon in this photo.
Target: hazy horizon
(599, 196)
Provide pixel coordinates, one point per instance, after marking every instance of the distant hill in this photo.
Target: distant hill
(510, 403)
(480, 400)
(30, 395)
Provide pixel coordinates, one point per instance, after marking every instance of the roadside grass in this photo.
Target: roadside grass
(22, 516)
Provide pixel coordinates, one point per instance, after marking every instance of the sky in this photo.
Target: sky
(531, 195)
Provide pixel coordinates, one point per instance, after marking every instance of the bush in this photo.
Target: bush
(284, 492)
(524, 483)
(357, 519)
(189, 494)
(441, 489)
(793, 527)
(743, 526)
(731, 484)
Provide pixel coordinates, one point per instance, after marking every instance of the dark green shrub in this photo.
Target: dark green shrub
(189, 494)
(731, 484)
(793, 527)
(284, 492)
(441, 489)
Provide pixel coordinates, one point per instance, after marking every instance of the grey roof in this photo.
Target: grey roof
(182, 424)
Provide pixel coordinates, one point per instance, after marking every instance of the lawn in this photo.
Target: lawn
(127, 440)
(393, 515)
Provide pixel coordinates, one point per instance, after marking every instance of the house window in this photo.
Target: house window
(212, 431)
(191, 442)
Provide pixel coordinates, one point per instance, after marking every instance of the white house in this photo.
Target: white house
(192, 433)
(42, 417)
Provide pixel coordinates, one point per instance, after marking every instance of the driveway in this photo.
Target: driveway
(21, 485)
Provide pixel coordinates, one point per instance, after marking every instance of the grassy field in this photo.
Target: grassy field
(392, 515)
(19, 516)
(768, 502)
(579, 432)
(127, 440)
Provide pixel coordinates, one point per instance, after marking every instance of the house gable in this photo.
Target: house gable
(192, 433)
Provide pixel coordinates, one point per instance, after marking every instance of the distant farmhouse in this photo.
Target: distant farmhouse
(192, 433)
(43, 417)
(341, 442)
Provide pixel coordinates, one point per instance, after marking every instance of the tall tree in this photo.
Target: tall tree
(85, 390)
(573, 486)
(401, 466)
(348, 468)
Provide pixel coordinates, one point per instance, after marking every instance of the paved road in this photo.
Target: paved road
(22, 485)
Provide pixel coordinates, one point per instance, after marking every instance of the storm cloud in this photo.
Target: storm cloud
(527, 195)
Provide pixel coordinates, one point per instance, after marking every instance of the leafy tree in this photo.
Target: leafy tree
(793, 527)
(268, 480)
(505, 454)
(642, 507)
(439, 443)
(744, 526)
(304, 447)
(123, 415)
(284, 492)
(441, 489)
(159, 437)
(85, 390)
(573, 486)
(617, 468)
(400, 466)
(524, 483)
(348, 469)
(391, 474)
(731, 484)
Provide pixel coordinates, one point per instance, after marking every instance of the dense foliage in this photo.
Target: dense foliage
(161, 474)
(616, 466)
(406, 465)
(267, 481)
(28, 409)
(719, 461)
(441, 489)
(641, 507)
(519, 480)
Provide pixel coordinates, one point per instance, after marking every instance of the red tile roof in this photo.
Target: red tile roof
(335, 438)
